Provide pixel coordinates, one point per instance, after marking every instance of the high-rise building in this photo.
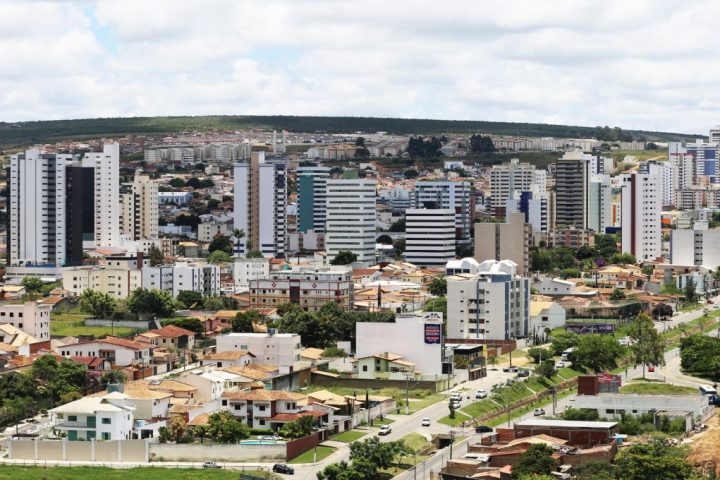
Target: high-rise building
(429, 236)
(535, 205)
(641, 208)
(682, 175)
(696, 246)
(260, 204)
(508, 178)
(350, 224)
(572, 176)
(312, 186)
(107, 193)
(139, 208)
(492, 305)
(448, 195)
(507, 241)
(600, 203)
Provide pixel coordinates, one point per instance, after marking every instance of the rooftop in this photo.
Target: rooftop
(532, 422)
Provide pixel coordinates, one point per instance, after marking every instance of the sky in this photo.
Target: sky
(635, 64)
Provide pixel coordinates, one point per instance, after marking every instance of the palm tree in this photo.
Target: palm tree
(239, 234)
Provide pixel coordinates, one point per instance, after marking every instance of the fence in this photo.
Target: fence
(186, 452)
(92, 451)
(432, 385)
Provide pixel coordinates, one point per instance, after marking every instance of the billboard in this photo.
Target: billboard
(433, 333)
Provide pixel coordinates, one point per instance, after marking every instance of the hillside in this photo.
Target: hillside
(27, 133)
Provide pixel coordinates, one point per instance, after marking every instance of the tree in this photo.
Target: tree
(190, 299)
(438, 304)
(193, 182)
(200, 431)
(344, 257)
(223, 427)
(438, 286)
(177, 182)
(302, 427)
(219, 256)
(537, 460)
(662, 311)
(546, 368)
(617, 294)
(380, 454)
(213, 303)
(411, 173)
(238, 235)
(243, 321)
(492, 361)
(648, 347)
(690, 291)
(451, 406)
(653, 460)
(562, 340)
(192, 324)
(398, 226)
(112, 377)
(32, 284)
(220, 242)
(597, 352)
(417, 147)
(177, 427)
(480, 144)
(624, 258)
(254, 253)
(156, 256)
(97, 304)
(384, 239)
(584, 414)
(536, 354)
(148, 303)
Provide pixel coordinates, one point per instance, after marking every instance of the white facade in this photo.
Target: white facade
(246, 269)
(117, 282)
(447, 195)
(139, 209)
(544, 316)
(695, 247)
(350, 225)
(176, 198)
(32, 318)
(95, 418)
(641, 209)
(682, 173)
(119, 352)
(490, 305)
(429, 236)
(107, 193)
(204, 279)
(508, 178)
(281, 349)
(414, 337)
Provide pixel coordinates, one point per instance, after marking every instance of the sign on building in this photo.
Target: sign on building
(433, 333)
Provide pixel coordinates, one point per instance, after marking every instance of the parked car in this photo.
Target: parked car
(512, 369)
(455, 404)
(425, 422)
(211, 465)
(480, 394)
(456, 396)
(384, 430)
(651, 368)
(282, 468)
(539, 412)
(560, 364)
(523, 373)
(483, 429)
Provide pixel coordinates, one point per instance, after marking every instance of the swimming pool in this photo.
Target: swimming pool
(261, 442)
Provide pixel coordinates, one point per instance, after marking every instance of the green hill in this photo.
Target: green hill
(28, 133)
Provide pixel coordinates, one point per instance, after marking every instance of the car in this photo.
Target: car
(282, 468)
(511, 369)
(384, 430)
(560, 364)
(455, 404)
(456, 397)
(539, 412)
(523, 373)
(651, 368)
(483, 429)
(211, 465)
(471, 456)
(425, 422)
(480, 394)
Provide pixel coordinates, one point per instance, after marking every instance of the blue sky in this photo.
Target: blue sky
(634, 64)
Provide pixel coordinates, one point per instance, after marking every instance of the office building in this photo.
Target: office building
(572, 176)
(641, 209)
(492, 305)
(260, 203)
(350, 223)
(507, 241)
(456, 196)
(312, 186)
(139, 209)
(429, 236)
(600, 203)
(310, 289)
(508, 178)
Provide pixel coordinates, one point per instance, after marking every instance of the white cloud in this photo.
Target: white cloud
(638, 63)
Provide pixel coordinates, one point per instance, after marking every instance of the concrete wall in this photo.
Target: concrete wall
(299, 446)
(377, 384)
(220, 453)
(96, 322)
(111, 451)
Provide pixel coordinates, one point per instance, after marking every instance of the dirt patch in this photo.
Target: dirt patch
(704, 451)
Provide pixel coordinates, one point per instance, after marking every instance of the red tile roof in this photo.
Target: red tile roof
(124, 342)
(172, 331)
(291, 417)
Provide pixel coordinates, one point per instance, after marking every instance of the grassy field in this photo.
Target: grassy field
(656, 388)
(348, 436)
(72, 324)
(417, 442)
(94, 473)
(309, 456)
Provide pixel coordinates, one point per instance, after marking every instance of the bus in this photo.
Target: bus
(708, 390)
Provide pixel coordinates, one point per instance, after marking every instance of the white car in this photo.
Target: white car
(384, 430)
(425, 422)
(480, 394)
(539, 412)
(560, 364)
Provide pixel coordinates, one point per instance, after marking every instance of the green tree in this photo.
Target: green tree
(219, 256)
(546, 368)
(156, 256)
(177, 427)
(662, 311)
(190, 299)
(148, 303)
(438, 286)
(624, 258)
(213, 303)
(97, 304)
(254, 254)
(411, 173)
(597, 352)
(200, 431)
(653, 460)
(193, 182)
(384, 239)
(177, 182)
(32, 284)
(617, 294)
(238, 235)
(584, 414)
(538, 353)
(648, 346)
(451, 406)
(243, 321)
(302, 427)
(220, 242)
(690, 291)
(398, 226)
(438, 304)
(223, 427)
(344, 257)
(537, 460)
(562, 340)
(192, 324)
(112, 377)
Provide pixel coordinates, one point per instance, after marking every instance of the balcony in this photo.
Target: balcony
(75, 425)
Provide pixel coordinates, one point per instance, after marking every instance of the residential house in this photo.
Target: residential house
(120, 352)
(228, 359)
(265, 408)
(109, 417)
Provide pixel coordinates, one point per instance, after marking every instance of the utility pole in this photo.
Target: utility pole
(452, 440)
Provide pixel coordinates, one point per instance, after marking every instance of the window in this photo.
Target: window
(262, 408)
(364, 368)
(105, 421)
(72, 418)
(105, 435)
(224, 403)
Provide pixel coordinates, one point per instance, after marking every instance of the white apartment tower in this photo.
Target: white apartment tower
(107, 193)
(508, 178)
(682, 171)
(429, 236)
(456, 196)
(260, 204)
(641, 208)
(139, 209)
(350, 224)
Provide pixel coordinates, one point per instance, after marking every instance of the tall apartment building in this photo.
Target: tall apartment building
(600, 203)
(350, 223)
(508, 178)
(641, 209)
(139, 208)
(572, 177)
(492, 305)
(106, 165)
(535, 205)
(260, 203)
(310, 289)
(447, 195)
(682, 174)
(696, 246)
(429, 236)
(32, 318)
(204, 279)
(505, 241)
(312, 188)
